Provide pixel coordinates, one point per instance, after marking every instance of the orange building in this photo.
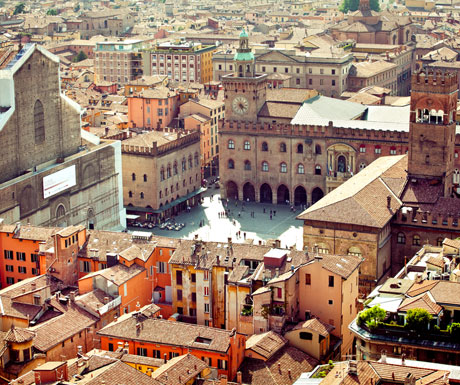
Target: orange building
(201, 123)
(158, 338)
(152, 108)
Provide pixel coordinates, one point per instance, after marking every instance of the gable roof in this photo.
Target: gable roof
(265, 344)
(423, 301)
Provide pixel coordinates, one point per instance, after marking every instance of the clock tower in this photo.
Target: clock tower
(245, 91)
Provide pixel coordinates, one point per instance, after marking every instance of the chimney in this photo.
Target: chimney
(218, 259)
(239, 378)
(277, 243)
(126, 348)
(79, 349)
(279, 367)
(403, 359)
(389, 201)
(383, 357)
(72, 296)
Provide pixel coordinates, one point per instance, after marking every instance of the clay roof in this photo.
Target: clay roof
(316, 325)
(423, 301)
(146, 139)
(265, 344)
(135, 252)
(120, 373)
(157, 93)
(362, 199)
(289, 95)
(283, 368)
(93, 300)
(179, 370)
(141, 360)
(159, 331)
(446, 293)
(279, 110)
(367, 69)
(452, 243)
(422, 287)
(118, 274)
(436, 261)
(19, 335)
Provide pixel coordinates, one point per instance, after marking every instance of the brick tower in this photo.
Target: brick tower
(432, 126)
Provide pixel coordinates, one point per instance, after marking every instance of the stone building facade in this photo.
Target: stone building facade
(48, 178)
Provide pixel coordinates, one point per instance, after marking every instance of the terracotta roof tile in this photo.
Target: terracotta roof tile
(179, 370)
(120, 373)
(19, 335)
(421, 302)
(316, 325)
(265, 344)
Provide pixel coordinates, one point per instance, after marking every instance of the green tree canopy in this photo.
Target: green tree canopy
(77, 8)
(418, 319)
(81, 56)
(51, 12)
(19, 8)
(353, 5)
(371, 317)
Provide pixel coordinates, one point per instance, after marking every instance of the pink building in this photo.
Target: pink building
(153, 108)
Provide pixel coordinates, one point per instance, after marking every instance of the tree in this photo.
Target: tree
(375, 6)
(418, 319)
(19, 8)
(81, 56)
(77, 8)
(349, 5)
(51, 12)
(371, 317)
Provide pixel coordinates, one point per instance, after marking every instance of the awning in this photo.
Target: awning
(171, 204)
(389, 304)
(132, 216)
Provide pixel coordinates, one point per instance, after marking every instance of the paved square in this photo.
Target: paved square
(282, 226)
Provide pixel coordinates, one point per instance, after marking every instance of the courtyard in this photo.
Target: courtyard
(251, 220)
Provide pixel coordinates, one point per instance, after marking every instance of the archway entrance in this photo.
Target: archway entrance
(249, 192)
(282, 195)
(300, 196)
(266, 194)
(341, 164)
(232, 190)
(316, 194)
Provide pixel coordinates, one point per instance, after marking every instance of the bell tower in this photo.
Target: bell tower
(245, 91)
(432, 126)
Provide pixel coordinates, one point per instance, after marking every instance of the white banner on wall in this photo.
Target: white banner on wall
(59, 181)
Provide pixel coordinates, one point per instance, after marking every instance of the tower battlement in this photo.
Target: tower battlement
(434, 80)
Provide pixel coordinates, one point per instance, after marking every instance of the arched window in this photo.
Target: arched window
(356, 251)
(283, 147)
(145, 177)
(231, 144)
(362, 165)
(184, 164)
(300, 148)
(362, 148)
(190, 162)
(317, 169)
(264, 146)
(392, 150)
(168, 171)
(231, 164)
(130, 194)
(133, 176)
(401, 238)
(60, 211)
(378, 149)
(175, 172)
(162, 173)
(264, 166)
(247, 165)
(439, 241)
(197, 159)
(322, 248)
(318, 149)
(300, 169)
(39, 122)
(247, 145)
(142, 195)
(161, 194)
(283, 167)
(416, 240)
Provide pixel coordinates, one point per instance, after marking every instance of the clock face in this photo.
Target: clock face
(240, 105)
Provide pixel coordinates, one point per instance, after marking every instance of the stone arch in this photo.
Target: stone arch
(61, 215)
(39, 122)
(89, 175)
(249, 192)
(282, 194)
(91, 219)
(232, 190)
(27, 200)
(316, 195)
(266, 195)
(300, 196)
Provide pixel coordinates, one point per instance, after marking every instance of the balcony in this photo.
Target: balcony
(335, 179)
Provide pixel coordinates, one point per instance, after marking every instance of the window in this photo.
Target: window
(22, 269)
(378, 150)
(264, 166)
(231, 164)
(156, 353)
(354, 250)
(110, 347)
(330, 302)
(231, 144)
(247, 145)
(317, 170)
(300, 148)
(318, 149)
(161, 267)
(193, 277)
(439, 241)
(333, 82)
(297, 81)
(9, 280)
(401, 238)
(279, 292)
(206, 307)
(145, 177)
(86, 266)
(178, 277)
(300, 169)
(306, 336)
(206, 291)
(133, 176)
(206, 275)
(8, 254)
(184, 164)
(393, 151)
(247, 165)
(307, 279)
(162, 174)
(20, 256)
(9, 268)
(141, 352)
(283, 167)
(168, 171)
(179, 295)
(222, 364)
(310, 81)
(142, 195)
(416, 240)
(333, 72)
(283, 147)
(264, 146)
(39, 122)
(130, 194)
(362, 148)
(362, 165)
(34, 257)
(331, 281)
